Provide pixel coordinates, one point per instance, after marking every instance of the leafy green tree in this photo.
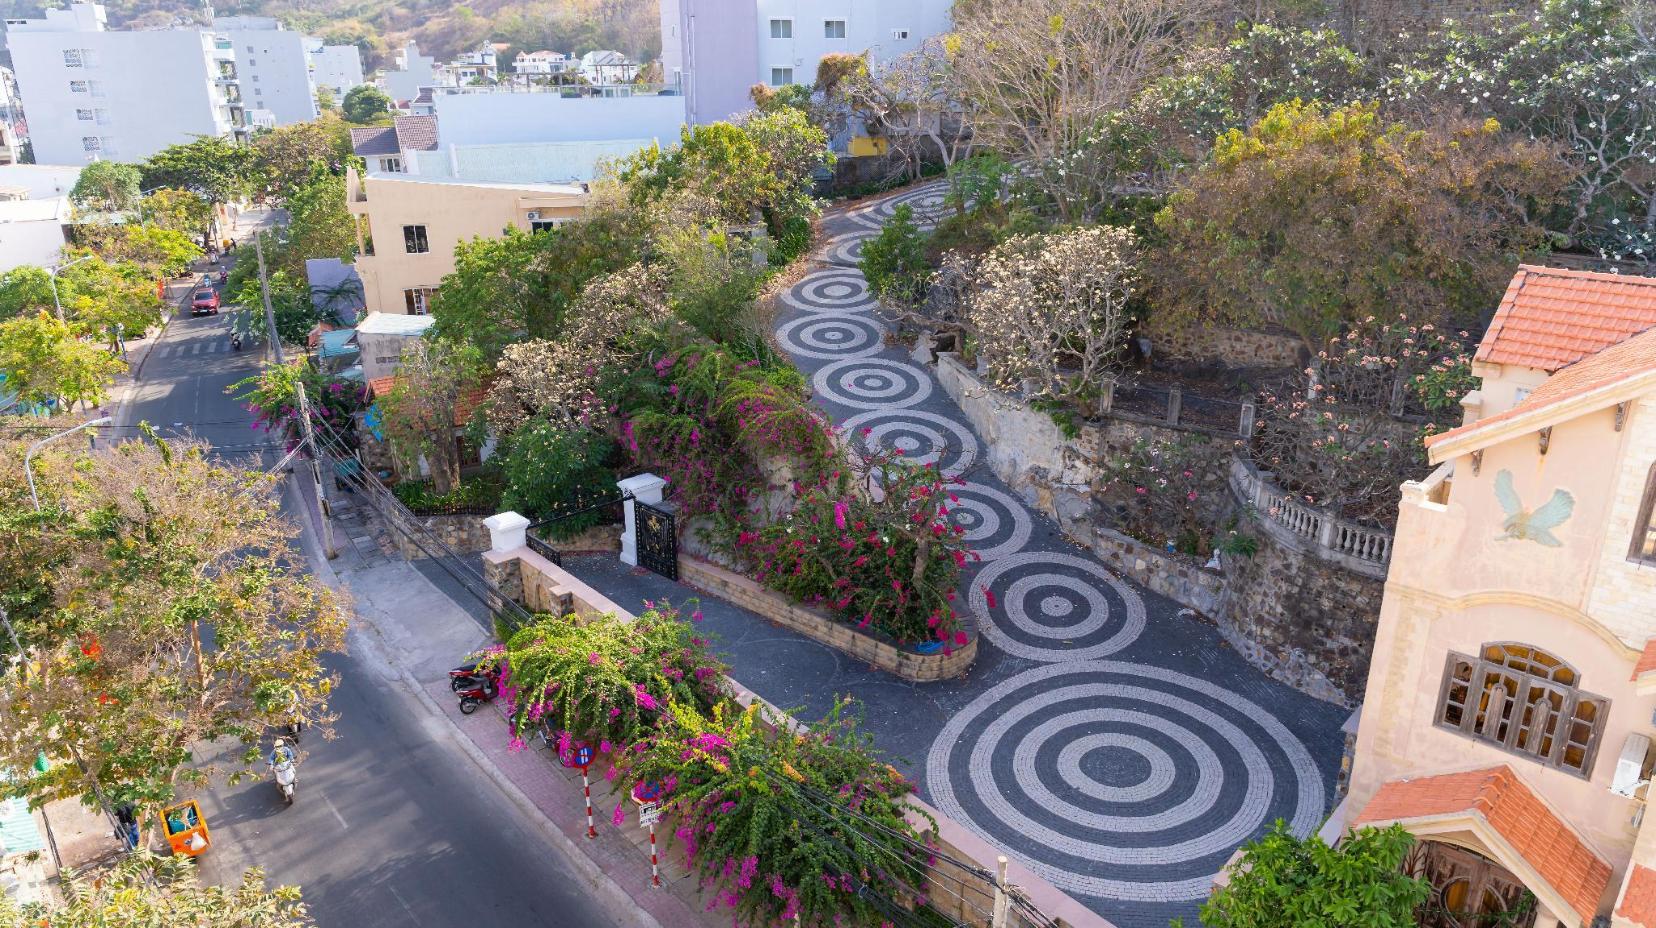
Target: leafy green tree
(156, 251)
(182, 622)
(144, 889)
(321, 227)
(25, 289)
(290, 302)
(365, 104)
(290, 157)
(44, 362)
(1288, 882)
(551, 470)
(1315, 218)
(106, 187)
(718, 161)
(895, 260)
(179, 211)
(215, 169)
(95, 295)
(422, 412)
(326, 102)
(521, 285)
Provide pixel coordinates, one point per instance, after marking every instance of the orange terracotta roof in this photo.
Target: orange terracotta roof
(380, 386)
(463, 407)
(1609, 367)
(1646, 664)
(1498, 796)
(1552, 317)
(1638, 903)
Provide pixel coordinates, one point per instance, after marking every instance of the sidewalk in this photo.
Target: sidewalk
(421, 631)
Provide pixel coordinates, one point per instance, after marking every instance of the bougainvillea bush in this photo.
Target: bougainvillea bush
(706, 420)
(271, 396)
(781, 824)
(604, 680)
(881, 552)
(1159, 491)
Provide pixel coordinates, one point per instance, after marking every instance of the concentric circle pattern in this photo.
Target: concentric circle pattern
(847, 249)
(923, 438)
(1121, 780)
(996, 524)
(1051, 606)
(833, 337)
(926, 202)
(872, 383)
(836, 290)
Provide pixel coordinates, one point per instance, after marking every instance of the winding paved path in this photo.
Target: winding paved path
(1120, 750)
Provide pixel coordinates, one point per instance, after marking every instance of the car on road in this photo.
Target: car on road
(204, 300)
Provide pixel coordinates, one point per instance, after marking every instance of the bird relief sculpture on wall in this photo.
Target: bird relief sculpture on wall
(1531, 525)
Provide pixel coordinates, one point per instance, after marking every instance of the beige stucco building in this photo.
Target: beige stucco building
(1508, 713)
(407, 227)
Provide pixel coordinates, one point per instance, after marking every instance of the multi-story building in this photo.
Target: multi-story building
(336, 67)
(407, 228)
(716, 50)
(1508, 717)
(34, 213)
(607, 67)
(414, 71)
(390, 149)
(274, 67)
(94, 93)
(541, 64)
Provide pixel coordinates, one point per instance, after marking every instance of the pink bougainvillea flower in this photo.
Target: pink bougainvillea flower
(960, 639)
(989, 596)
(619, 818)
(840, 511)
(696, 616)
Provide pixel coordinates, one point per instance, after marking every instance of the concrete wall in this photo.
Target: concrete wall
(524, 162)
(336, 66)
(30, 240)
(719, 41)
(502, 118)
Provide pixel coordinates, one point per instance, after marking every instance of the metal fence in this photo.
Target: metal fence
(1173, 406)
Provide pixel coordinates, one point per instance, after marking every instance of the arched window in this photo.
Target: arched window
(1524, 700)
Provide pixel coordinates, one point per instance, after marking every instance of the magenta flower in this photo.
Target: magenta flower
(840, 510)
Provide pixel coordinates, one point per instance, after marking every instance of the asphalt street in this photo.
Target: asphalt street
(393, 824)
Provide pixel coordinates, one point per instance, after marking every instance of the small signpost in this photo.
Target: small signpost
(648, 797)
(580, 755)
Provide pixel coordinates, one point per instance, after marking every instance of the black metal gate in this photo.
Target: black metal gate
(657, 539)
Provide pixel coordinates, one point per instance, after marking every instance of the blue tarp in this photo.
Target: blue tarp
(336, 344)
(18, 833)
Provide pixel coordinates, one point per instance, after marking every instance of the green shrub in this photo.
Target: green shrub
(558, 472)
(793, 241)
(480, 492)
(895, 260)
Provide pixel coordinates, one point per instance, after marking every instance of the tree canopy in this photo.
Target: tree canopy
(144, 889)
(106, 187)
(364, 104)
(1288, 882)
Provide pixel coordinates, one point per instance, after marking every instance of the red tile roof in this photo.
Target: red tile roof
(1500, 798)
(1647, 663)
(1552, 317)
(1611, 366)
(1638, 904)
(463, 407)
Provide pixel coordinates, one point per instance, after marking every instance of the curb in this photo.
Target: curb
(614, 899)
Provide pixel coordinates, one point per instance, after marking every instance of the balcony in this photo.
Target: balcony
(1358, 548)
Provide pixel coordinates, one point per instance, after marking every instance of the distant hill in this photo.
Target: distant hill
(442, 28)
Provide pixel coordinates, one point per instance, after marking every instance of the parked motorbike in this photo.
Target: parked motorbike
(472, 697)
(468, 676)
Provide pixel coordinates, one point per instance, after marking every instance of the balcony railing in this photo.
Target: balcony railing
(1359, 548)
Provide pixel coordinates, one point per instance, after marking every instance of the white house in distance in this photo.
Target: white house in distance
(541, 64)
(336, 67)
(94, 93)
(34, 209)
(413, 72)
(273, 66)
(716, 50)
(607, 67)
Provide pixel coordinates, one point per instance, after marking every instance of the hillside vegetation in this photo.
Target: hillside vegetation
(442, 28)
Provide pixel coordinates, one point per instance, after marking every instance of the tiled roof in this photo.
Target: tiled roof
(1638, 904)
(1552, 317)
(1647, 663)
(1609, 367)
(374, 140)
(463, 407)
(417, 133)
(1499, 797)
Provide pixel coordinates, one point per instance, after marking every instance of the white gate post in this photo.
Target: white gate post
(646, 488)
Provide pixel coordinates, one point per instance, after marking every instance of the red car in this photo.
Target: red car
(204, 301)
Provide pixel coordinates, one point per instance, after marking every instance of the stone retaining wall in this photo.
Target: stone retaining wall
(1206, 342)
(1176, 576)
(465, 534)
(818, 625)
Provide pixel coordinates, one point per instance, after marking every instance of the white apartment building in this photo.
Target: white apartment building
(274, 68)
(542, 63)
(336, 67)
(95, 93)
(413, 72)
(717, 49)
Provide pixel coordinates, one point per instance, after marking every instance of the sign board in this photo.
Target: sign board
(649, 813)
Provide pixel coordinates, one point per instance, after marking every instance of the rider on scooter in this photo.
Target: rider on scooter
(282, 753)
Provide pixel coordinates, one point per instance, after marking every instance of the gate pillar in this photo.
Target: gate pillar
(645, 488)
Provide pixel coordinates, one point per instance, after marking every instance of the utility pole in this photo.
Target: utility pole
(270, 314)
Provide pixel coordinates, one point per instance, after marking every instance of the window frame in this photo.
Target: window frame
(74, 58)
(85, 86)
(85, 114)
(417, 300)
(782, 83)
(537, 226)
(91, 143)
(1514, 724)
(1644, 524)
(828, 32)
(392, 165)
(781, 25)
(416, 240)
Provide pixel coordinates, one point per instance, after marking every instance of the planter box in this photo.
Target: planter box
(819, 626)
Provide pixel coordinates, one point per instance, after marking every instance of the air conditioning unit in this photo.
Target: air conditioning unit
(533, 215)
(1629, 775)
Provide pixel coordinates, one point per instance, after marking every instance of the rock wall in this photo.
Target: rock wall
(1202, 343)
(465, 534)
(1303, 620)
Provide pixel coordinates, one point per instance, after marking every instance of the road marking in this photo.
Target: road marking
(404, 903)
(212, 347)
(329, 803)
(195, 348)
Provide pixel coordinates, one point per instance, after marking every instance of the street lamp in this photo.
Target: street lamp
(53, 278)
(29, 472)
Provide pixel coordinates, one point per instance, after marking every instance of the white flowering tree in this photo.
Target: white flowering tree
(1050, 312)
(913, 102)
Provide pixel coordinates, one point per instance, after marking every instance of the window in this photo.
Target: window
(77, 87)
(899, 34)
(1644, 529)
(96, 87)
(91, 143)
(72, 58)
(545, 225)
(252, 62)
(833, 28)
(781, 28)
(781, 77)
(391, 165)
(84, 115)
(417, 300)
(414, 240)
(255, 78)
(1525, 701)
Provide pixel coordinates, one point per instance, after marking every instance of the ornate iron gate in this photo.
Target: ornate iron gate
(657, 540)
